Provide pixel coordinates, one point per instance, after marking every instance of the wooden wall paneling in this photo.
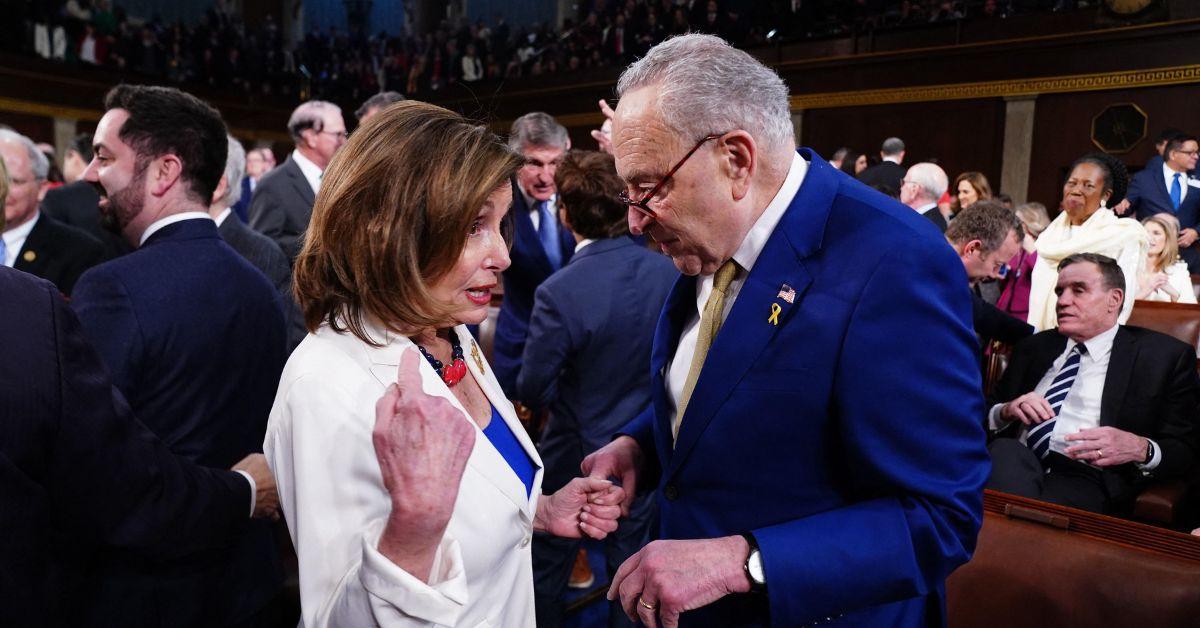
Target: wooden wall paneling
(35, 127)
(1062, 130)
(963, 135)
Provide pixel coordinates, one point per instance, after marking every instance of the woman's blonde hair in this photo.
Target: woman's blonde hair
(1034, 217)
(392, 217)
(1170, 251)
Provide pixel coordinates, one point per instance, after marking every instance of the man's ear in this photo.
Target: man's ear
(164, 173)
(1116, 298)
(222, 189)
(739, 160)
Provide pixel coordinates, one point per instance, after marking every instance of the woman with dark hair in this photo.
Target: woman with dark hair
(418, 509)
(1087, 225)
(969, 188)
(853, 162)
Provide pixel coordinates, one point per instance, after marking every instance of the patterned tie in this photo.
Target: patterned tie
(710, 324)
(548, 235)
(1038, 438)
(1176, 191)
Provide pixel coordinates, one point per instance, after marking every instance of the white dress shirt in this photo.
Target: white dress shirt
(1081, 409)
(312, 172)
(924, 208)
(170, 220)
(582, 243)
(14, 239)
(222, 216)
(532, 204)
(745, 256)
(1169, 178)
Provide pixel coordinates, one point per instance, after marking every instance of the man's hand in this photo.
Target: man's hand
(619, 459)
(1106, 447)
(603, 135)
(422, 444)
(667, 578)
(1187, 237)
(1122, 207)
(1030, 409)
(587, 505)
(266, 497)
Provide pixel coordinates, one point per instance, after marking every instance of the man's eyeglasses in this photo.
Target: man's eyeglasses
(341, 135)
(643, 204)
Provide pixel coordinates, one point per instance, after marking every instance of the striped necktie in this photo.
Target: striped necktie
(1038, 438)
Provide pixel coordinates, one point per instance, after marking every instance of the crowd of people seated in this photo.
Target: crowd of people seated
(343, 66)
(332, 324)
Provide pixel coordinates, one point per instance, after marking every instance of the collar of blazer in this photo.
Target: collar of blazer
(485, 459)
(299, 181)
(748, 329)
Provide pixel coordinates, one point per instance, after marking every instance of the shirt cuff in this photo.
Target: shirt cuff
(1154, 460)
(253, 490)
(396, 594)
(995, 422)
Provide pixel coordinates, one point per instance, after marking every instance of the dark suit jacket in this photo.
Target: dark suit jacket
(194, 337)
(78, 472)
(530, 267)
(845, 437)
(1151, 390)
(591, 321)
(282, 207)
(241, 209)
(77, 204)
(1149, 195)
(265, 255)
(884, 173)
(935, 216)
(58, 253)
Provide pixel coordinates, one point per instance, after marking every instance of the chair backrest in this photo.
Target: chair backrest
(1174, 319)
(1196, 285)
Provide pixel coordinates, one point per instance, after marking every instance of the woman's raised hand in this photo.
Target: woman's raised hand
(588, 506)
(422, 444)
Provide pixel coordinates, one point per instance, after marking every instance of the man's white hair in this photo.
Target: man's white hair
(310, 115)
(235, 170)
(705, 86)
(930, 178)
(38, 163)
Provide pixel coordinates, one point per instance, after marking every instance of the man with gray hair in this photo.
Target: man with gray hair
(257, 248)
(372, 105)
(540, 243)
(814, 435)
(282, 204)
(33, 241)
(888, 174)
(921, 188)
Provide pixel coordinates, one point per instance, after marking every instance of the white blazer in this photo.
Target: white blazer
(318, 444)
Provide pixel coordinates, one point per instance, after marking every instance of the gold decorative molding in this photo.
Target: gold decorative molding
(1180, 75)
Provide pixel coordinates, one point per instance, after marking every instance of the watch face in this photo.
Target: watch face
(754, 566)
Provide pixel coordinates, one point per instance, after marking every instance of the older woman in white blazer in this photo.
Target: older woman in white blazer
(410, 489)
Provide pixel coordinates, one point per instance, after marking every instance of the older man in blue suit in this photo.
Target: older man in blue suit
(590, 322)
(192, 334)
(540, 243)
(1170, 189)
(814, 433)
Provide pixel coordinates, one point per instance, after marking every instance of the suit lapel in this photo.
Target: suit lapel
(749, 327)
(300, 183)
(33, 254)
(527, 236)
(485, 459)
(680, 304)
(1120, 371)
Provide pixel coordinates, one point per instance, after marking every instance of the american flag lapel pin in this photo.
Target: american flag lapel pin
(787, 293)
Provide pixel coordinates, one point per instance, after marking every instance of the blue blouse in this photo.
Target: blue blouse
(506, 443)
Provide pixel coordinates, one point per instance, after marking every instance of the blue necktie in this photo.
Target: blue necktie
(1038, 438)
(3, 250)
(1176, 192)
(548, 235)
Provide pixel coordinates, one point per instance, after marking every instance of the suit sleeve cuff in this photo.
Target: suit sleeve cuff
(253, 491)
(995, 422)
(396, 594)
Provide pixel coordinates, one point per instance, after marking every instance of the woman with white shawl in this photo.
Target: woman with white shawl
(1087, 225)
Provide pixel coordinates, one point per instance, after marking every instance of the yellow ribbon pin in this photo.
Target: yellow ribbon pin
(476, 356)
(774, 317)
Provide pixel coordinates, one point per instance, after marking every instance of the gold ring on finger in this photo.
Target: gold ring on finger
(646, 606)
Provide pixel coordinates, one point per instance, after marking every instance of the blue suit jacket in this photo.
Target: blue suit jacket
(847, 437)
(530, 267)
(590, 322)
(1148, 195)
(194, 337)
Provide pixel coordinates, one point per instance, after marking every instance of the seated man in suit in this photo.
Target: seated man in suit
(1169, 189)
(986, 235)
(590, 322)
(1090, 409)
(257, 248)
(540, 244)
(33, 241)
(77, 203)
(80, 468)
(193, 335)
(887, 175)
(282, 203)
